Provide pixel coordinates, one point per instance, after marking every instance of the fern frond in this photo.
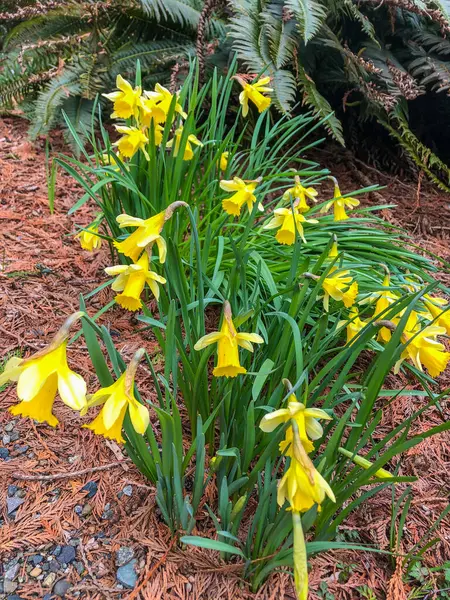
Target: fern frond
(310, 15)
(152, 55)
(176, 11)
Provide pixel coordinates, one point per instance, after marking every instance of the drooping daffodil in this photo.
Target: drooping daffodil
(163, 98)
(89, 240)
(148, 231)
(42, 375)
(117, 399)
(125, 99)
(298, 195)
(132, 140)
(340, 286)
(188, 150)
(354, 325)
(288, 221)
(439, 310)
(253, 92)
(339, 204)
(243, 194)
(228, 341)
(131, 280)
(223, 162)
(384, 299)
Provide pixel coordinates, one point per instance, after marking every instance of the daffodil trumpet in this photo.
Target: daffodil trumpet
(243, 194)
(254, 92)
(117, 399)
(228, 341)
(42, 375)
(339, 203)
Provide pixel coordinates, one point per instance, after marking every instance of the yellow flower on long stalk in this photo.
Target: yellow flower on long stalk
(340, 286)
(151, 112)
(298, 195)
(306, 419)
(188, 150)
(339, 204)
(126, 99)
(254, 93)
(89, 240)
(423, 349)
(148, 231)
(223, 162)
(354, 326)
(131, 280)
(384, 299)
(243, 195)
(163, 99)
(117, 399)
(334, 252)
(42, 375)
(439, 310)
(132, 140)
(228, 341)
(288, 221)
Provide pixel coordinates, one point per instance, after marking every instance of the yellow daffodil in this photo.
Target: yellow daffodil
(151, 112)
(89, 240)
(288, 221)
(163, 99)
(131, 281)
(339, 205)
(298, 195)
(228, 341)
(148, 232)
(126, 99)
(253, 92)
(188, 151)
(117, 399)
(424, 349)
(132, 140)
(223, 162)
(308, 425)
(365, 464)
(439, 310)
(43, 374)
(340, 286)
(243, 195)
(334, 252)
(354, 326)
(383, 300)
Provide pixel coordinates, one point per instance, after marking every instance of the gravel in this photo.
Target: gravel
(67, 555)
(123, 555)
(61, 587)
(91, 488)
(12, 504)
(127, 575)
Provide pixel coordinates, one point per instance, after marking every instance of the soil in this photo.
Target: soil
(43, 271)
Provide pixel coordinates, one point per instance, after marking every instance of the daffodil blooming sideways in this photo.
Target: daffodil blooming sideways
(339, 204)
(228, 341)
(89, 240)
(383, 299)
(148, 232)
(435, 307)
(126, 99)
(43, 374)
(423, 348)
(131, 281)
(132, 140)
(117, 399)
(354, 325)
(223, 162)
(288, 221)
(340, 286)
(176, 141)
(163, 99)
(254, 93)
(298, 195)
(243, 195)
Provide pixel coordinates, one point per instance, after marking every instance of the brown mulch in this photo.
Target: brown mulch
(42, 273)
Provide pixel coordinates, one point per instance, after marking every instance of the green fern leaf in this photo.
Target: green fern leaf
(310, 16)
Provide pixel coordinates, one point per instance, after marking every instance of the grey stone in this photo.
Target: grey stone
(14, 435)
(127, 575)
(56, 551)
(91, 488)
(4, 453)
(74, 541)
(107, 511)
(79, 567)
(49, 580)
(21, 449)
(87, 509)
(10, 426)
(36, 559)
(6, 438)
(21, 493)
(14, 597)
(9, 587)
(128, 490)
(13, 504)
(47, 597)
(61, 587)
(12, 489)
(53, 566)
(78, 509)
(12, 571)
(123, 555)
(67, 555)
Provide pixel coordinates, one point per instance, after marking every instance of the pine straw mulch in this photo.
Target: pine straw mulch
(42, 272)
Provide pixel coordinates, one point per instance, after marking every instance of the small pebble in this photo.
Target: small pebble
(21, 493)
(123, 555)
(128, 490)
(6, 438)
(35, 572)
(49, 580)
(13, 504)
(12, 489)
(12, 571)
(91, 488)
(127, 575)
(10, 426)
(14, 597)
(78, 509)
(86, 511)
(47, 597)
(14, 435)
(4, 453)
(36, 559)
(67, 555)
(21, 449)
(56, 551)
(79, 567)
(61, 587)
(53, 566)
(9, 587)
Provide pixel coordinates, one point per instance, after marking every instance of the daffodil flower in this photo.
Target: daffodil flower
(148, 231)
(117, 399)
(354, 326)
(307, 422)
(188, 151)
(435, 307)
(131, 281)
(132, 140)
(163, 99)
(288, 221)
(228, 341)
(334, 252)
(298, 195)
(223, 162)
(151, 112)
(42, 375)
(339, 205)
(340, 286)
(126, 99)
(89, 240)
(253, 92)
(243, 195)
(424, 349)
(384, 299)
